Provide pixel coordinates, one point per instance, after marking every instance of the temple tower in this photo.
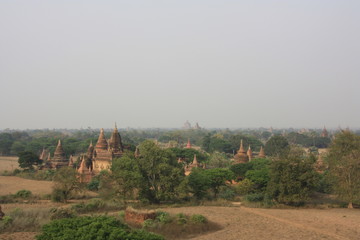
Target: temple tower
(262, 153)
(115, 144)
(59, 160)
(188, 145)
(324, 133)
(249, 153)
(85, 173)
(241, 156)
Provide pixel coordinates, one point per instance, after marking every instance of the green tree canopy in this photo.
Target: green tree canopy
(28, 159)
(292, 178)
(276, 146)
(344, 166)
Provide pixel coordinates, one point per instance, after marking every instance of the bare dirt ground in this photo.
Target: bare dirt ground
(10, 185)
(8, 163)
(255, 223)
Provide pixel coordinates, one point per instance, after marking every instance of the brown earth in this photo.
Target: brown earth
(10, 185)
(8, 163)
(255, 223)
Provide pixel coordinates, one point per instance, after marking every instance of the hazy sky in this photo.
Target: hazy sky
(72, 64)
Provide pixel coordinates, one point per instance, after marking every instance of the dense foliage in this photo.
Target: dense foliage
(344, 166)
(292, 178)
(92, 228)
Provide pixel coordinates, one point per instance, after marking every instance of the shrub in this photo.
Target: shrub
(181, 218)
(254, 197)
(7, 220)
(163, 217)
(93, 185)
(23, 194)
(19, 220)
(59, 213)
(198, 218)
(148, 223)
(101, 227)
(244, 187)
(226, 193)
(57, 195)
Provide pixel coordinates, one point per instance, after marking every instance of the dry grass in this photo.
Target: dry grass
(11, 184)
(8, 163)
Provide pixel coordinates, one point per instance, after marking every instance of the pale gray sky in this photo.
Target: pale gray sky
(72, 64)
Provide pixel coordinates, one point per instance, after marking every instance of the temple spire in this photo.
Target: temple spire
(249, 153)
(102, 143)
(188, 145)
(262, 152)
(241, 149)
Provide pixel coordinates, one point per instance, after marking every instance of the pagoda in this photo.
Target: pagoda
(105, 152)
(241, 156)
(188, 145)
(261, 153)
(59, 160)
(324, 133)
(249, 153)
(85, 173)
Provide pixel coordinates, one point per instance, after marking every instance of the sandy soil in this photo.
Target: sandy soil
(10, 185)
(8, 163)
(255, 223)
(18, 236)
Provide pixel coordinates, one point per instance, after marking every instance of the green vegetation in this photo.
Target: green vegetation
(101, 227)
(28, 159)
(292, 178)
(344, 166)
(277, 146)
(66, 182)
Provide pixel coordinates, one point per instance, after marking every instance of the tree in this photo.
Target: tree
(6, 140)
(292, 178)
(259, 174)
(66, 181)
(200, 181)
(217, 178)
(126, 175)
(276, 146)
(28, 159)
(344, 166)
(160, 173)
(219, 160)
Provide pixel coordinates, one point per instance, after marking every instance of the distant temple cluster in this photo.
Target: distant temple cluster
(187, 125)
(100, 157)
(95, 160)
(243, 156)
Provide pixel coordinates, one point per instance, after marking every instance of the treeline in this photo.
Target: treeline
(222, 140)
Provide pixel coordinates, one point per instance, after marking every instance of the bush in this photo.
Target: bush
(163, 217)
(254, 197)
(244, 187)
(96, 205)
(93, 185)
(101, 227)
(148, 223)
(226, 193)
(19, 220)
(181, 218)
(198, 218)
(57, 195)
(59, 213)
(25, 194)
